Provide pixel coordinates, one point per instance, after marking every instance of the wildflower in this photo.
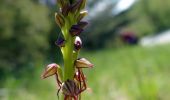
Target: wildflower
(50, 70)
(53, 69)
(70, 79)
(79, 75)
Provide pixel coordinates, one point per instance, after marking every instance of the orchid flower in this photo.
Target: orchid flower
(70, 77)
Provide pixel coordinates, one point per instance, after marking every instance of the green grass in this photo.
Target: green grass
(128, 73)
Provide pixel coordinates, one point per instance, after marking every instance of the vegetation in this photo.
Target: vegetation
(28, 33)
(23, 36)
(131, 73)
(145, 17)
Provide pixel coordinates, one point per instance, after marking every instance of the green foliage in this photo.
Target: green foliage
(24, 39)
(128, 73)
(145, 17)
(150, 17)
(23, 35)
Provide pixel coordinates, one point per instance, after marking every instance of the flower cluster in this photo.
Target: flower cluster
(70, 78)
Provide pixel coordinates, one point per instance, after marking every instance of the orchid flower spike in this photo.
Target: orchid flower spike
(70, 78)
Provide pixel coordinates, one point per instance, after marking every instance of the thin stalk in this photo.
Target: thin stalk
(68, 50)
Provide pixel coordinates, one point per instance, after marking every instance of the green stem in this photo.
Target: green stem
(68, 63)
(68, 49)
(68, 55)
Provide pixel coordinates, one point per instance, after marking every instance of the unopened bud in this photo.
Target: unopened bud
(83, 4)
(82, 24)
(59, 19)
(75, 30)
(82, 15)
(75, 6)
(77, 43)
(83, 63)
(60, 42)
(65, 10)
(72, 1)
(60, 3)
(50, 70)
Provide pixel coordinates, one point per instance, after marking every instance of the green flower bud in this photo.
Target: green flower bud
(59, 19)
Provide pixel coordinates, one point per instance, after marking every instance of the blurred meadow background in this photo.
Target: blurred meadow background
(127, 40)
